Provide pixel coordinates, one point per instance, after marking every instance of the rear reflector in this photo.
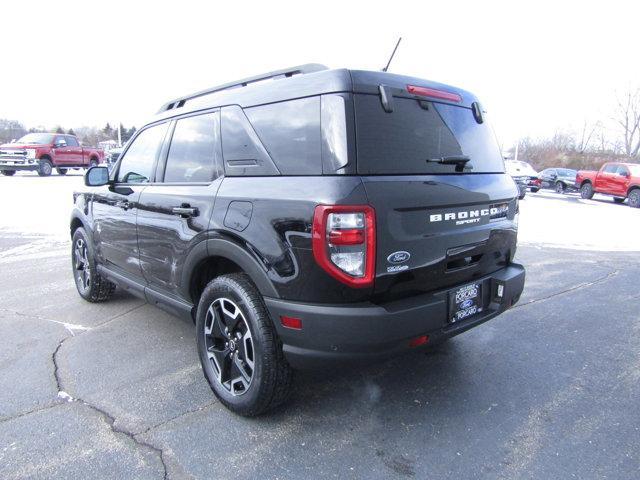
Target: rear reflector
(291, 322)
(433, 93)
(421, 340)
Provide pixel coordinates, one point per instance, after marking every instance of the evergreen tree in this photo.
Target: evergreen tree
(59, 129)
(71, 132)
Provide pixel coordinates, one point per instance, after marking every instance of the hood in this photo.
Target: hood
(20, 146)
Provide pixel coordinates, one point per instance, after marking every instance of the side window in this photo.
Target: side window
(192, 152)
(137, 163)
(60, 140)
(610, 169)
(622, 170)
(242, 149)
(290, 131)
(72, 141)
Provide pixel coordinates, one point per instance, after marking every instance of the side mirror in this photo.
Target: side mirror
(60, 144)
(96, 176)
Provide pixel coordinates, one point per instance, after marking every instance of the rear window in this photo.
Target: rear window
(402, 141)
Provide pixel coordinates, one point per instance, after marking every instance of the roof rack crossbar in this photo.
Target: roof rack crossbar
(285, 73)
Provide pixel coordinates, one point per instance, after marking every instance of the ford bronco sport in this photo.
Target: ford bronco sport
(305, 216)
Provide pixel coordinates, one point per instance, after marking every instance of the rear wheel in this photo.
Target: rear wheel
(534, 189)
(45, 167)
(93, 162)
(8, 173)
(90, 284)
(239, 350)
(559, 187)
(619, 199)
(61, 171)
(634, 198)
(586, 191)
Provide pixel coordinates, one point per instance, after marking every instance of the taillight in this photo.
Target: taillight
(344, 242)
(433, 93)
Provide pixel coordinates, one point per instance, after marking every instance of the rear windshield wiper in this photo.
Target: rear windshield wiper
(459, 161)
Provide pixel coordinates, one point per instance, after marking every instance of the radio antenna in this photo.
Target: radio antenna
(392, 54)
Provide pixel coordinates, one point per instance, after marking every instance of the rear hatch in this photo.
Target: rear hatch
(433, 172)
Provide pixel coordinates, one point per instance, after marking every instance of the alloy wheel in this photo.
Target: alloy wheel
(229, 345)
(81, 264)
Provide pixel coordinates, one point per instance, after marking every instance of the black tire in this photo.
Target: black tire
(93, 162)
(62, 171)
(233, 329)
(534, 190)
(560, 187)
(45, 168)
(8, 173)
(619, 199)
(586, 191)
(634, 198)
(90, 284)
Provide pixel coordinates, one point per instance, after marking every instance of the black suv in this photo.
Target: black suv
(304, 216)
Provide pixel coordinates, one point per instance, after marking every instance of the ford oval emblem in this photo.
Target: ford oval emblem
(399, 257)
(466, 304)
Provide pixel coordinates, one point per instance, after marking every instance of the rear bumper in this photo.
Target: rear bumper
(366, 331)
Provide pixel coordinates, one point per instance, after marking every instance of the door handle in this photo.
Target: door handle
(125, 205)
(185, 211)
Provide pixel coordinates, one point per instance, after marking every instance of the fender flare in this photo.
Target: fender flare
(225, 248)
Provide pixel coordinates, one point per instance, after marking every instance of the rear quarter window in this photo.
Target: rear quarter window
(290, 131)
(402, 141)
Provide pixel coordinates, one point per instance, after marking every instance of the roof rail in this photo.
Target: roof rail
(284, 73)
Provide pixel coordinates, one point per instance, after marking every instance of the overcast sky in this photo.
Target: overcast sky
(536, 66)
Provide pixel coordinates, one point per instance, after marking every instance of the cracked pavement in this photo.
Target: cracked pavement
(114, 390)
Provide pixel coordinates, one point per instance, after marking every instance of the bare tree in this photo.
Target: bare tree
(628, 118)
(586, 135)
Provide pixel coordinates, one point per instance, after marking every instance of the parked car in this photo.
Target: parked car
(558, 179)
(523, 174)
(323, 216)
(621, 180)
(112, 156)
(42, 152)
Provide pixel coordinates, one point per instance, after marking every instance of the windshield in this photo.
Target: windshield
(412, 138)
(41, 138)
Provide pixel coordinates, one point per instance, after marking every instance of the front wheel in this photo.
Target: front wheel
(90, 284)
(634, 198)
(8, 173)
(61, 171)
(239, 350)
(45, 168)
(93, 163)
(586, 191)
(559, 187)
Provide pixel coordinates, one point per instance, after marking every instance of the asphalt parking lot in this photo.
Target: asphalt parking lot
(548, 390)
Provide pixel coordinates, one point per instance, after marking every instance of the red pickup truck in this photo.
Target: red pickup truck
(42, 152)
(621, 180)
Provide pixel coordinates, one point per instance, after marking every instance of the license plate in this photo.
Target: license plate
(465, 302)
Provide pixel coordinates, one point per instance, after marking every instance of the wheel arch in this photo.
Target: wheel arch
(46, 156)
(631, 188)
(585, 181)
(214, 257)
